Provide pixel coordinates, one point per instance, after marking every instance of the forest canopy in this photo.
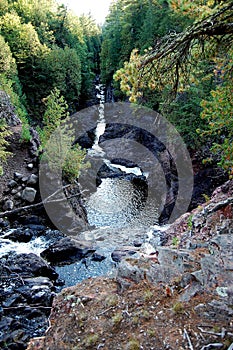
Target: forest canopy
(45, 46)
(174, 56)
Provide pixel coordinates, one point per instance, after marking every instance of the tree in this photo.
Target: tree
(61, 69)
(172, 58)
(181, 62)
(57, 138)
(218, 112)
(52, 48)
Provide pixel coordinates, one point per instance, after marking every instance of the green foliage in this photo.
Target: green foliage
(25, 133)
(46, 46)
(7, 62)
(178, 308)
(184, 113)
(56, 110)
(190, 222)
(135, 24)
(218, 112)
(21, 37)
(74, 162)
(57, 139)
(133, 344)
(206, 197)
(148, 295)
(175, 241)
(91, 340)
(62, 70)
(117, 318)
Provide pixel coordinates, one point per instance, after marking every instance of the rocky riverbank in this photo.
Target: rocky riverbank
(177, 296)
(165, 281)
(157, 275)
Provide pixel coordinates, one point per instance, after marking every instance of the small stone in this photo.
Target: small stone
(30, 166)
(18, 176)
(137, 244)
(24, 178)
(18, 195)
(8, 205)
(32, 180)
(29, 194)
(98, 257)
(12, 183)
(4, 223)
(16, 190)
(38, 281)
(41, 295)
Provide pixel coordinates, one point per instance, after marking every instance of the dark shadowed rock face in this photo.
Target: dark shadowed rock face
(31, 265)
(7, 110)
(66, 250)
(27, 288)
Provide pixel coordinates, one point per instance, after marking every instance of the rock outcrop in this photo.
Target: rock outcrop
(175, 296)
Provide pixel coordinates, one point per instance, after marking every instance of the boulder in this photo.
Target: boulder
(18, 176)
(31, 265)
(41, 295)
(118, 254)
(19, 235)
(32, 180)
(12, 183)
(7, 110)
(8, 205)
(29, 194)
(66, 250)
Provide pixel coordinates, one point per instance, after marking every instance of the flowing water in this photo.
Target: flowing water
(117, 203)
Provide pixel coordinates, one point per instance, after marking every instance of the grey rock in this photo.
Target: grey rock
(130, 272)
(67, 250)
(41, 295)
(30, 166)
(16, 190)
(118, 254)
(24, 179)
(18, 195)
(38, 281)
(29, 194)
(32, 180)
(19, 235)
(12, 183)
(194, 289)
(7, 110)
(12, 300)
(31, 265)
(8, 205)
(18, 176)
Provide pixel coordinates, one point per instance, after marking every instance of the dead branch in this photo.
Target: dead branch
(217, 24)
(176, 49)
(47, 200)
(209, 209)
(40, 307)
(188, 339)
(211, 346)
(222, 334)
